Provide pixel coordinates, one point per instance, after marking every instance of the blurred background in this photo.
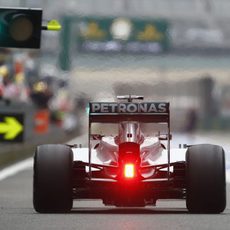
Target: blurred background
(166, 50)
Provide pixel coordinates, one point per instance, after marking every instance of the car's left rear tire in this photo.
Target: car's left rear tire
(52, 185)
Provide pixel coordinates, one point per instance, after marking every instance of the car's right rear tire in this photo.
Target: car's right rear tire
(205, 179)
(52, 185)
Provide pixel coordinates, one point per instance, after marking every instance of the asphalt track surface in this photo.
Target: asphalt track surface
(17, 213)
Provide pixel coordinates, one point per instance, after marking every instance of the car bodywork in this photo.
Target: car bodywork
(153, 174)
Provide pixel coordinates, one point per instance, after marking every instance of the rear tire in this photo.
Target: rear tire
(205, 178)
(52, 185)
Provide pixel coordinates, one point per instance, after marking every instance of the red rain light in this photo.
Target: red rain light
(129, 171)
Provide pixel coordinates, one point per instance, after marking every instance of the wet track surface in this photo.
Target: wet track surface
(16, 212)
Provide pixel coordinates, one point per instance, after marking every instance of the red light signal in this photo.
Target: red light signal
(129, 171)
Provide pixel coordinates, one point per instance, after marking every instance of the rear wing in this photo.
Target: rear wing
(146, 112)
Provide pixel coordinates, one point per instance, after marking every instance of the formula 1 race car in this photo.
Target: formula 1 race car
(129, 163)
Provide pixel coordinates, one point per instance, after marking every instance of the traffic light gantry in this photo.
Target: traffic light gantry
(21, 27)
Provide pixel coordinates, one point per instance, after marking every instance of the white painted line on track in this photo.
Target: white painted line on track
(228, 176)
(28, 163)
(16, 168)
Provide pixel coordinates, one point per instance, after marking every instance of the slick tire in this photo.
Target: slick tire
(52, 185)
(205, 179)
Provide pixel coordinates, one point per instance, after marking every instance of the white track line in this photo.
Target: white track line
(228, 176)
(28, 163)
(228, 171)
(16, 168)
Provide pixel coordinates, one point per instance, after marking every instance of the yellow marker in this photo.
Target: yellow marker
(11, 128)
(94, 31)
(53, 25)
(150, 33)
